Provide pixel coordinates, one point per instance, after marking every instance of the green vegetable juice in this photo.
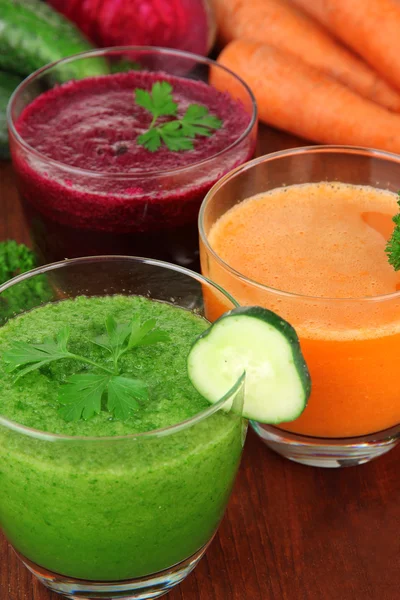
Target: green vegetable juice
(88, 499)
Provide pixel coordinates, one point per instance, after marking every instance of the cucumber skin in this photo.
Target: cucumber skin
(291, 335)
(8, 83)
(268, 316)
(31, 38)
(46, 13)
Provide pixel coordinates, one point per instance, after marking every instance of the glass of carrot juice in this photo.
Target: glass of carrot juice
(303, 232)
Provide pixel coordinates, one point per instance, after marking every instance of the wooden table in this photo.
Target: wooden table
(290, 532)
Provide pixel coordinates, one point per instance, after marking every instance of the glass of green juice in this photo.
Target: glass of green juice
(112, 507)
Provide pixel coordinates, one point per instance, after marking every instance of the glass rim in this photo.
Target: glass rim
(317, 149)
(153, 433)
(116, 50)
(301, 438)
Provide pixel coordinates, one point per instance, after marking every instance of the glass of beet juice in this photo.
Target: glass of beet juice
(109, 504)
(87, 183)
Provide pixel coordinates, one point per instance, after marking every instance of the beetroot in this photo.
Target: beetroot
(183, 24)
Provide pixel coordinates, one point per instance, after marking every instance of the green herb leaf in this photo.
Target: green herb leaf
(62, 339)
(198, 121)
(81, 396)
(117, 334)
(146, 334)
(173, 137)
(139, 331)
(135, 334)
(178, 134)
(151, 140)
(122, 337)
(154, 337)
(14, 259)
(159, 101)
(37, 355)
(124, 395)
(393, 245)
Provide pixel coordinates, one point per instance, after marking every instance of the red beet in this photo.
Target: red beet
(183, 24)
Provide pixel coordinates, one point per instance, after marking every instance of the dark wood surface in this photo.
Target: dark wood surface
(290, 532)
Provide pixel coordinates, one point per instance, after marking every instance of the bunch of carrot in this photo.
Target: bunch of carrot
(326, 70)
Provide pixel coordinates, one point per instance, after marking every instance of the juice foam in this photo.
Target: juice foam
(324, 240)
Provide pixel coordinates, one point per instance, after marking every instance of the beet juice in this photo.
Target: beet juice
(89, 187)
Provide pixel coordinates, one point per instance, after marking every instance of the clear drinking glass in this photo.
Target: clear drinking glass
(353, 364)
(117, 517)
(73, 211)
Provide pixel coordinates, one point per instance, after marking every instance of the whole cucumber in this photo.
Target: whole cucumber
(8, 83)
(32, 34)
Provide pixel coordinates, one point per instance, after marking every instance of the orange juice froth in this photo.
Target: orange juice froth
(324, 244)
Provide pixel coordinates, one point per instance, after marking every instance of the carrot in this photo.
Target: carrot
(370, 27)
(280, 24)
(293, 96)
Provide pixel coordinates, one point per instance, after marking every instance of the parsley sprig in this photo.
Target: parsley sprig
(393, 245)
(176, 134)
(82, 394)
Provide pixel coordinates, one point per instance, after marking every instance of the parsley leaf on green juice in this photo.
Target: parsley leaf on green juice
(393, 245)
(176, 134)
(82, 394)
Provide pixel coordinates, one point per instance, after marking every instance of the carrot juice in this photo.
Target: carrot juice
(315, 254)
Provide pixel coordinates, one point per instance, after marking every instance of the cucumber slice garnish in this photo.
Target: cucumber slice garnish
(259, 342)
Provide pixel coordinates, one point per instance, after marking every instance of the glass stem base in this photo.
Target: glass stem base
(328, 452)
(142, 588)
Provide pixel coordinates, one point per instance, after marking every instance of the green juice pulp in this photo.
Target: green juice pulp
(112, 509)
